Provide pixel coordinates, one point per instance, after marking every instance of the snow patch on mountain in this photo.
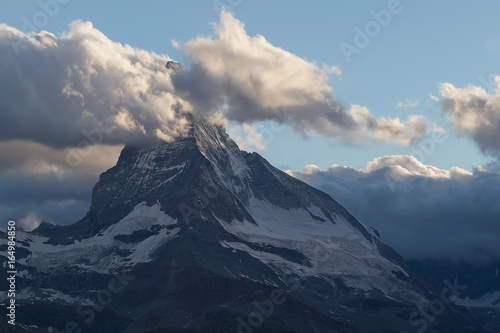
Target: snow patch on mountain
(46, 294)
(219, 149)
(490, 300)
(94, 253)
(334, 248)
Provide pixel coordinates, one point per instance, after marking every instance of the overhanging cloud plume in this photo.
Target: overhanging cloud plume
(256, 81)
(420, 210)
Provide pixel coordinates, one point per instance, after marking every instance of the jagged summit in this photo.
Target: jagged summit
(45, 225)
(174, 65)
(208, 133)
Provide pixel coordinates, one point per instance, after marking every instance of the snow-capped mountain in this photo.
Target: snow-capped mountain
(199, 236)
(174, 65)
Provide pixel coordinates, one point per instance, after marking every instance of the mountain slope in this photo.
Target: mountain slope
(203, 237)
(480, 282)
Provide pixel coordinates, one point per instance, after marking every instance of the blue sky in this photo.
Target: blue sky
(424, 44)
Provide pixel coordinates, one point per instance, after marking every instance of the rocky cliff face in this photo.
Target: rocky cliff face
(199, 236)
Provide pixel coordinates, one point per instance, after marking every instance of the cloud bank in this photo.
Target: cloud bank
(420, 210)
(37, 184)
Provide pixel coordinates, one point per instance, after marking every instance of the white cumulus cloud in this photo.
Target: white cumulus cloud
(253, 78)
(57, 90)
(475, 113)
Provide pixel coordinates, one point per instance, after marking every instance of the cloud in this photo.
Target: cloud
(28, 215)
(387, 129)
(475, 113)
(434, 98)
(63, 91)
(332, 70)
(33, 158)
(38, 182)
(248, 137)
(175, 43)
(408, 104)
(24, 196)
(30, 221)
(253, 79)
(420, 210)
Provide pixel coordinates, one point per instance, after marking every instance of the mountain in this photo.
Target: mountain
(44, 225)
(199, 236)
(175, 66)
(481, 281)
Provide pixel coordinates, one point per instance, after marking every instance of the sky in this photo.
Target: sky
(392, 107)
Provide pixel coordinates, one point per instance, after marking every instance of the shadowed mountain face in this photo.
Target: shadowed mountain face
(199, 236)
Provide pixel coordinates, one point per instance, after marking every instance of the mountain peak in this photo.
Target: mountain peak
(175, 66)
(44, 225)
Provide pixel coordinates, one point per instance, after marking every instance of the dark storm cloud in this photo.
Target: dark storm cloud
(28, 215)
(37, 184)
(420, 210)
(21, 188)
(29, 198)
(32, 157)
